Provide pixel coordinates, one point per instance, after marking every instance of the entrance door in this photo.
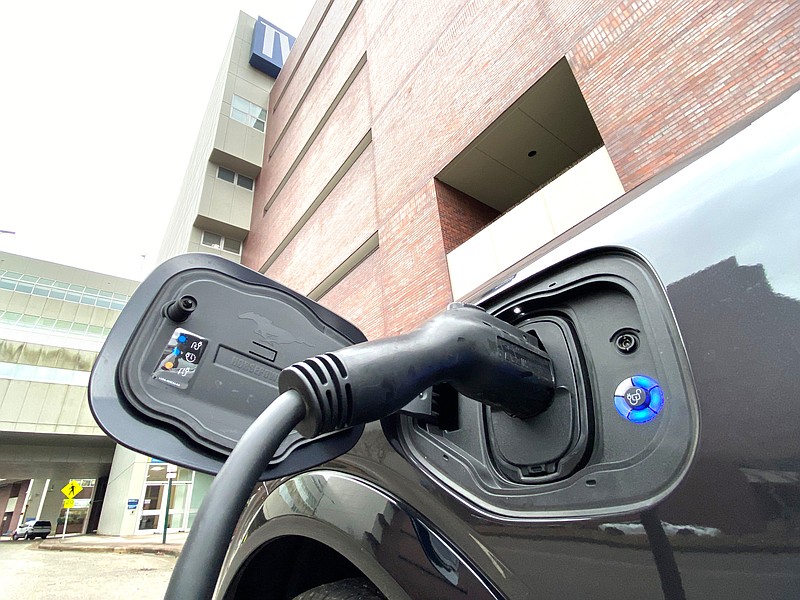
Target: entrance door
(154, 500)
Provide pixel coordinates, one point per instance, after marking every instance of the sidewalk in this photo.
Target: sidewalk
(139, 544)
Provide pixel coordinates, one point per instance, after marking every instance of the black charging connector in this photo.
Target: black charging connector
(480, 356)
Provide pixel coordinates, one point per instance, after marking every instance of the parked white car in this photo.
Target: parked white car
(32, 528)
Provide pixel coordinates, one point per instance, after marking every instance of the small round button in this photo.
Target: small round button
(639, 399)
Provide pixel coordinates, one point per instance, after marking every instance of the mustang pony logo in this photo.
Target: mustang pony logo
(271, 332)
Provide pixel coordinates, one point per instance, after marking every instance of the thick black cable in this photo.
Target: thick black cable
(196, 572)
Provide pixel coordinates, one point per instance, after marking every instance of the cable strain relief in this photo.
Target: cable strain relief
(316, 380)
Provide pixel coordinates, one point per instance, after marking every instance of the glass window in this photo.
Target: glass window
(120, 296)
(95, 330)
(76, 288)
(103, 302)
(105, 294)
(25, 288)
(117, 305)
(244, 182)
(11, 317)
(7, 285)
(61, 284)
(226, 174)
(230, 245)
(47, 282)
(63, 325)
(73, 297)
(57, 294)
(211, 239)
(248, 113)
(28, 320)
(40, 291)
(90, 300)
(12, 275)
(45, 322)
(30, 278)
(92, 291)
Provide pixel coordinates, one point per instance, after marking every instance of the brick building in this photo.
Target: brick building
(397, 131)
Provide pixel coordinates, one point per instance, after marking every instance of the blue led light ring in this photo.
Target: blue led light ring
(627, 399)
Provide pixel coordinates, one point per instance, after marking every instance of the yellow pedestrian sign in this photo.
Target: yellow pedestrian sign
(72, 489)
(69, 503)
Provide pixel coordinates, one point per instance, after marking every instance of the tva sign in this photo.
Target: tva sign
(270, 47)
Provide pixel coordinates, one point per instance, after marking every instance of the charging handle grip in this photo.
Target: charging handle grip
(481, 356)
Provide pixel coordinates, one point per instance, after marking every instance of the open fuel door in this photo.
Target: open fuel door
(195, 356)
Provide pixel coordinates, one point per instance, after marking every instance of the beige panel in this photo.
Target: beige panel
(18, 303)
(235, 138)
(254, 146)
(32, 403)
(84, 313)
(74, 400)
(53, 404)
(68, 311)
(52, 307)
(5, 298)
(242, 208)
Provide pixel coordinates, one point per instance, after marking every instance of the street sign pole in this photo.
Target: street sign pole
(66, 520)
(166, 514)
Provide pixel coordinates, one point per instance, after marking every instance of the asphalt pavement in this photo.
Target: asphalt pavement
(108, 569)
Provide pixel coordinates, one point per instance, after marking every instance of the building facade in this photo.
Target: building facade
(416, 150)
(53, 320)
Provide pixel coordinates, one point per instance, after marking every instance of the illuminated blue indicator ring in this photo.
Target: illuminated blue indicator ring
(639, 399)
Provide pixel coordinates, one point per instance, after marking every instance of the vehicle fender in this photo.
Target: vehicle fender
(392, 545)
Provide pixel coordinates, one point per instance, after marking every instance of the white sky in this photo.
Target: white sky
(100, 105)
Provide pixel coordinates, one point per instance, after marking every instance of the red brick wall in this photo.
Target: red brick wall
(660, 78)
(461, 215)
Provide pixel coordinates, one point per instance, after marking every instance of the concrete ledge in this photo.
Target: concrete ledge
(117, 545)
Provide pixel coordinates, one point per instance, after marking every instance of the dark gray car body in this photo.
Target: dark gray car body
(722, 233)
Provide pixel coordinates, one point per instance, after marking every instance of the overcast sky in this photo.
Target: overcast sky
(100, 106)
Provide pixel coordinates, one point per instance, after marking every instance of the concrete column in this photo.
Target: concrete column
(128, 472)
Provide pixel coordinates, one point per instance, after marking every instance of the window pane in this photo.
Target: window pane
(117, 305)
(43, 281)
(90, 300)
(120, 296)
(76, 288)
(226, 174)
(244, 182)
(49, 323)
(12, 275)
(93, 291)
(232, 245)
(259, 125)
(30, 278)
(57, 294)
(241, 103)
(40, 291)
(63, 325)
(211, 239)
(105, 294)
(79, 327)
(73, 297)
(238, 115)
(95, 330)
(28, 320)
(61, 284)
(7, 285)
(25, 288)
(11, 317)
(103, 302)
